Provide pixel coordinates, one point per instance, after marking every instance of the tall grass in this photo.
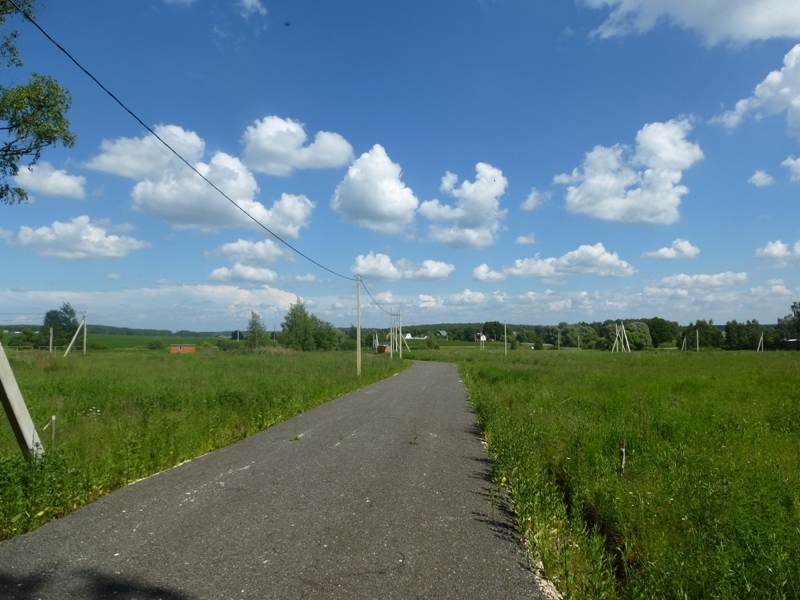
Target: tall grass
(121, 416)
(708, 505)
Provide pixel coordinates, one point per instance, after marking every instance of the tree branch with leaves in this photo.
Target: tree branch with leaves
(32, 115)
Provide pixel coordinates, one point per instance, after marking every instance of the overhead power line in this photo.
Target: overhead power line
(375, 302)
(170, 148)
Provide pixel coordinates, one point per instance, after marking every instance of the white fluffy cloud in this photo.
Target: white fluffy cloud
(44, 179)
(78, 239)
(761, 179)
(716, 20)
(186, 201)
(779, 92)
(526, 239)
(773, 287)
(373, 195)
(247, 252)
(190, 203)
(680, 249)
(793, 164)
(147, 158)
(468, 297)
(380, 267)
(475, 220)
(427, 270)
(376, 266)
(585, 260)
(288, 215)
(639, 186)
(535, 199)
(170, 190)
(716, 280)
(277, 146)
(243, 273)
(426, 301)
(484, 273)
(779, 251)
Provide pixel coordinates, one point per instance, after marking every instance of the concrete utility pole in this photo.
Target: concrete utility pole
(358, 325)
(17, 412)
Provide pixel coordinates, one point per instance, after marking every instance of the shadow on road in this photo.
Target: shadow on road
(90, 585)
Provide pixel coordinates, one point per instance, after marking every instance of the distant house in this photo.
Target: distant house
(182, 348)
(442, 334)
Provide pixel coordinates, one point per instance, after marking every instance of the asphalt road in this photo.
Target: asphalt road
(382, 493)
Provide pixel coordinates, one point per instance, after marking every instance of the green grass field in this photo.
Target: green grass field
(116, 341)
(708, 505)
(121, 416)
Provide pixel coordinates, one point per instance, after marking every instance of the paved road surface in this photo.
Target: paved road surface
(382, 493)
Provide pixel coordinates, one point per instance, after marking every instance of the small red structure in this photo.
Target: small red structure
(182, 348)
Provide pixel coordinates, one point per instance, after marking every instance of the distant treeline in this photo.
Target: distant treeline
(108, 329)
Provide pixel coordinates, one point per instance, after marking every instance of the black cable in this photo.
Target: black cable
(373, 299)
(170, 148)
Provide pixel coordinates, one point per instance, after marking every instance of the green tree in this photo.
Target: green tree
(26, 339)
(493, 330)
(32, 115)
(467, 334)
(706, 332)
(430, 342)
(326, 336)
(64, 323)
(789, 326)
(296, 330)
(256, 332)
(734, 332)
(639, 335)
(661, 330)
(513, 344)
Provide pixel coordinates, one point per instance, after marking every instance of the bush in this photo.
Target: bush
(155, 345)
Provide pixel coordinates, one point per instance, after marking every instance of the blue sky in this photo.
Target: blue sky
(520, 161)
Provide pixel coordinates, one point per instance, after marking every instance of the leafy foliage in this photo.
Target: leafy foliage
(257, 336)
(32, 115)
(708, 335)
(493, 330)
(662, 331)
(303, 331)
(64, 322)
